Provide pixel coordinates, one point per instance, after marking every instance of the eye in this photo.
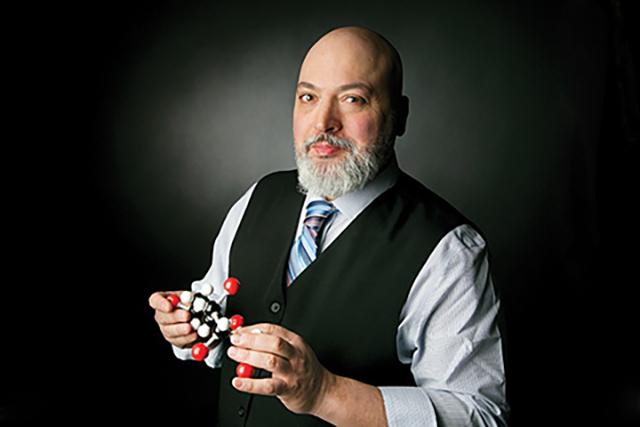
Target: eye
(352, 99)
(305, 97)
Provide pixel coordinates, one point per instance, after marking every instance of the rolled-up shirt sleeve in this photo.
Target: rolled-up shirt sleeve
(449, 334)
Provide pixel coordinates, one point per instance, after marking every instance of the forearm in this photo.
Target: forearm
(349, 403)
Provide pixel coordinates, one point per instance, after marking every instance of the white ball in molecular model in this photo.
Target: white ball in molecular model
(204, 330)
(206, 289)
(195, 323)
(199, 304)
(186, 297)
(223, 324)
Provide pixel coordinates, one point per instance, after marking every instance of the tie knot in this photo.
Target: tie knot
(317, 212)
(320, 209)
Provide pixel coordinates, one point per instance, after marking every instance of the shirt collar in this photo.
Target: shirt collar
(351, 204)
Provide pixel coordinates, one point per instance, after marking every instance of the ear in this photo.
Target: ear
(402, 112)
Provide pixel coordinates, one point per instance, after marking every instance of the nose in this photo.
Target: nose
(327, 118)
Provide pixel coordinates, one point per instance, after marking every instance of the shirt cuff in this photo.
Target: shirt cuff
(408, 407)
(213, 359)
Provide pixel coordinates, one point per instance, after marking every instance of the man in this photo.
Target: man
(370, 297)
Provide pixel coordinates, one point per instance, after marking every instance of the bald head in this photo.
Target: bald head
(361, 50)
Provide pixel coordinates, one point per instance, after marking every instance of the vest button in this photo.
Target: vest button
(241, 411)
(275, 307)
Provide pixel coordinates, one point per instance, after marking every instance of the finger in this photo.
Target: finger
(267, 361)
(158, 301)
(263, 342)
(184, 341)
(177, 330)
(272, 329)
(264, 386)
(177, 316)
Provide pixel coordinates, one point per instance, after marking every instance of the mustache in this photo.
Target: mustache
(329, 139)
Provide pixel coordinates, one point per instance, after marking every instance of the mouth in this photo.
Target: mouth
(324, 149)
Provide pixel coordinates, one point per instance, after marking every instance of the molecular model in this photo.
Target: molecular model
(206, 316)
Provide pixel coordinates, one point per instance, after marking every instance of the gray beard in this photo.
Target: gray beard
(335, 179)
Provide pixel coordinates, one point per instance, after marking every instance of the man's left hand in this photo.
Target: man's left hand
(298, 379)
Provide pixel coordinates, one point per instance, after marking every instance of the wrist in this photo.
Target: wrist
(345, 401)
(327, 396)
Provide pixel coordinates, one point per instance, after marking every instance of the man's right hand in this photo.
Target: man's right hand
(174, 324)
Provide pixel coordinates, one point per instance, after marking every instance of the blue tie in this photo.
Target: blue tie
(305, 249)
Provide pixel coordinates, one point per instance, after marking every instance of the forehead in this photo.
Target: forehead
(341, 61)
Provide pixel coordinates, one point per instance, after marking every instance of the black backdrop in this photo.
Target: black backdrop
(131, 128)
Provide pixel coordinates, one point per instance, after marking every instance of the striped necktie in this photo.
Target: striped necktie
(304, 251)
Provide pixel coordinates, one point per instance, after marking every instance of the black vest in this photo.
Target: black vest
(347, 303)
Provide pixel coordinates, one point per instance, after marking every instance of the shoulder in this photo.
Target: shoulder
(275, 185)
(427, 205)
(279, 178)
(263, 187)
(277, 191)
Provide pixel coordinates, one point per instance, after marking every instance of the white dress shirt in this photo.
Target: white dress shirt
(447, 330)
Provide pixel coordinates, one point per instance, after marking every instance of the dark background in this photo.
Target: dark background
(133, 126)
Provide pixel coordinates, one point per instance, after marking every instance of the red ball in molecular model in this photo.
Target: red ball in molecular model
(206, 316)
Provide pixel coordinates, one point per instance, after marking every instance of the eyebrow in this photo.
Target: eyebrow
(345, 87)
